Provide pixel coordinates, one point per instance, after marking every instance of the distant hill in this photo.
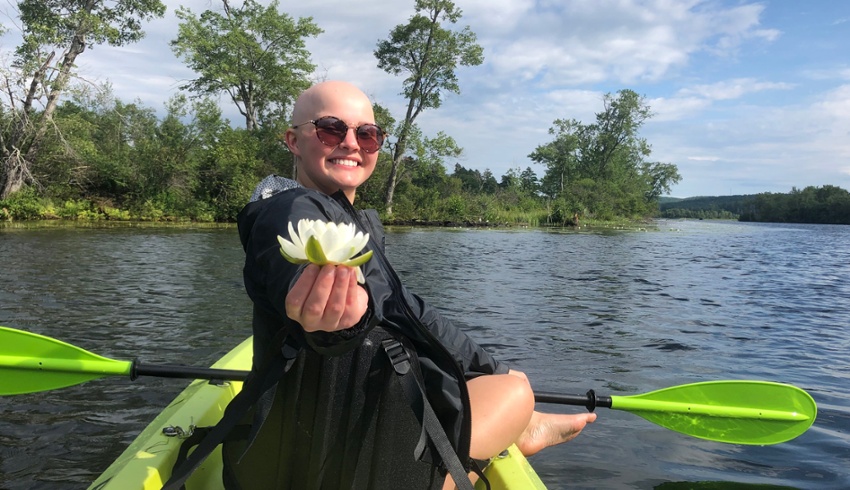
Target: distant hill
(711, 207)
(668, 199)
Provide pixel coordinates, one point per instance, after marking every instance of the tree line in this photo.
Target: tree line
(828, 204)
(72, 150)
(706, 207)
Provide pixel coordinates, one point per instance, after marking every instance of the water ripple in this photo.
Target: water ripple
(619, 312)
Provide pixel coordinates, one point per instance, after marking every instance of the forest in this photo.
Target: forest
(828, 204)
(70, 150)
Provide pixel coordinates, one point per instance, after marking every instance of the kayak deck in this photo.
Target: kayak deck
(146, 464)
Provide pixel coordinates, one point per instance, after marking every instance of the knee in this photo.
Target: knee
(519, 391)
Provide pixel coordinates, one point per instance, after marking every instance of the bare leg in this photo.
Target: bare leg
(501, 407)
(503, 413)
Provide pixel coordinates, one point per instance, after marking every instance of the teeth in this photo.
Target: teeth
(346, 163)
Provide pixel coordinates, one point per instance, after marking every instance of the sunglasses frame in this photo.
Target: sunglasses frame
(324, 131)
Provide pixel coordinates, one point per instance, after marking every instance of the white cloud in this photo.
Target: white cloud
(732, 89)
(676, 108)
(551, 59)
(704, 159)
(760, 148)
(575, 43)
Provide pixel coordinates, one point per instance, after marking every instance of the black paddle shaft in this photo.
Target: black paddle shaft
(590, 401)
(187, 372)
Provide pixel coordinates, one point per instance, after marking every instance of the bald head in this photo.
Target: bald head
(317, 100)
(332, 162)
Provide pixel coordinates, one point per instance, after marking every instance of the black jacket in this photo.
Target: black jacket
(447, 355)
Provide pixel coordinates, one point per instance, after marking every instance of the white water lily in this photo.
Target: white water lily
(325, 243)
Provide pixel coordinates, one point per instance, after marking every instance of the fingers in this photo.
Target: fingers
(357, 301)
(326, 298)
(297, 296)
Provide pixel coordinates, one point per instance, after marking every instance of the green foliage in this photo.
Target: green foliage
(427, 54)
(702, 207)
(823, 205)
(40, 78)
(677, 213)
(23, 205)
(600, 169)
(230, 171)
(474, 181)
(56, 22)
(255, 54)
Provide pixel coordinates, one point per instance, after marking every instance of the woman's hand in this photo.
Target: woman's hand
(327, 298)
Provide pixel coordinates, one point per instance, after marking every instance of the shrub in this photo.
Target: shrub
(22, 205)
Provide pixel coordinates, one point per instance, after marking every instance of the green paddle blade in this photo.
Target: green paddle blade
(737, 412)
(30, 363)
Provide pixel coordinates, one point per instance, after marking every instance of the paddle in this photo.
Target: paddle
(737, 412)
(31, 363)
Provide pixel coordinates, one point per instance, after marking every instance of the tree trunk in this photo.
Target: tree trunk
(15, 175)
(413, 110)
(78, 45)
(392, 179)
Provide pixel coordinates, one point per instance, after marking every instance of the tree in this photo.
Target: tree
(70, 27)
(255, 54)
(601, 168)
(561, 156)
(661, 177)
(511, 180)
(428, 54)
(528, 182)
(613, 140)
(825, 205)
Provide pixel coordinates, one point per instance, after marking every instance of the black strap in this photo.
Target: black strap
(236, 409)
(416, 396)
(240, 432)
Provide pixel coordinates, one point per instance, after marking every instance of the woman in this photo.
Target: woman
(328, 411)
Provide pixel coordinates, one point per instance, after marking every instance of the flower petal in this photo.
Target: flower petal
(291, 252)
(296, 240)
(332, 242)
(359, 241)
(314, 252)
(358, 261)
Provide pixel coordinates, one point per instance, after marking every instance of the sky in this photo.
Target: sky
(747, 96)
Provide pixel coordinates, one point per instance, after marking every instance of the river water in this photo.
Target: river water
(622, 312)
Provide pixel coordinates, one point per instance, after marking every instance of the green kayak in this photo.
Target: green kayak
(147, 462)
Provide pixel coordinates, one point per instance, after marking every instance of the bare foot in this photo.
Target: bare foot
(548, 429)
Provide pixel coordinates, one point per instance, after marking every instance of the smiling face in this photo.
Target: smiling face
(325, 168)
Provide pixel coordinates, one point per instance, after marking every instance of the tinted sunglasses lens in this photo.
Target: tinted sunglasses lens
(331, 131)
(370, 137)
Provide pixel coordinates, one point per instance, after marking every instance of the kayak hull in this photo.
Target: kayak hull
(146, 464)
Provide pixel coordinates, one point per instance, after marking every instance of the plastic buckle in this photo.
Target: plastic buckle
(398, 355)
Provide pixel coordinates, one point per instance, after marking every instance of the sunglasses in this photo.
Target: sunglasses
(331, 131)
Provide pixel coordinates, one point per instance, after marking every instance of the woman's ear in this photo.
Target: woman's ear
(291, 139)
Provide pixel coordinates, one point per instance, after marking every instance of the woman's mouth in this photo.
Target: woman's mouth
(344, 162)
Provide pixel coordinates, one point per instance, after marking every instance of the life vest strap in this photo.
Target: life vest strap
(415, 392)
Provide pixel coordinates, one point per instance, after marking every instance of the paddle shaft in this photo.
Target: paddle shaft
(589, 401)
(186, 372)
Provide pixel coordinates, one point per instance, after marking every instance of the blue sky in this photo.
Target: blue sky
(748, 96)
